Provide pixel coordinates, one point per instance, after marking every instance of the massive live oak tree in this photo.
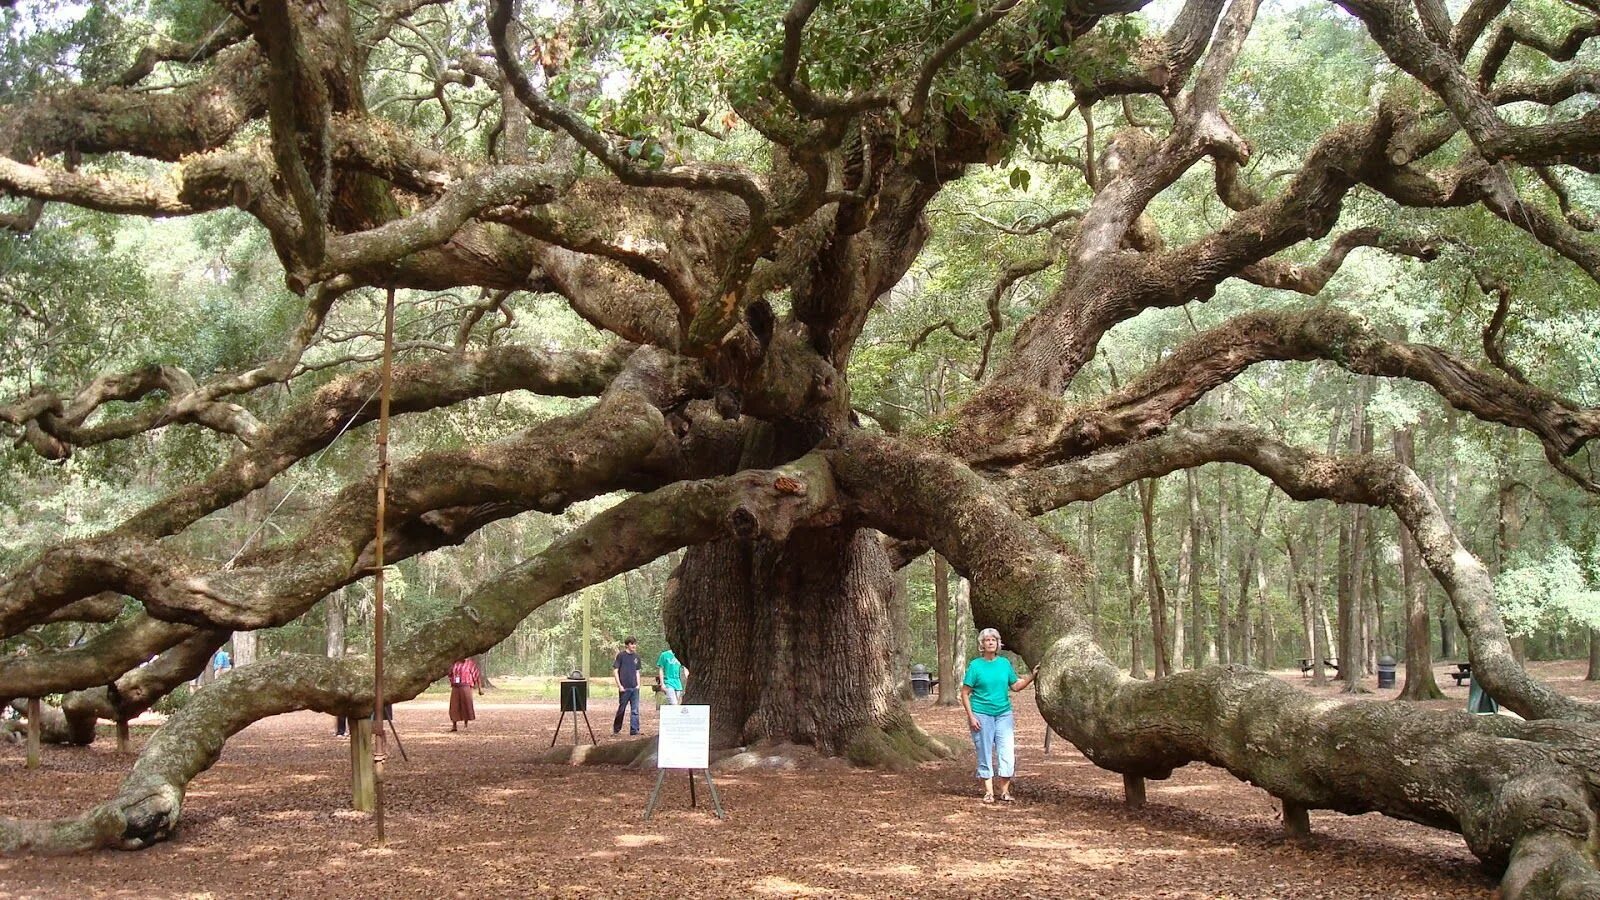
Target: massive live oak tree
(737, 284)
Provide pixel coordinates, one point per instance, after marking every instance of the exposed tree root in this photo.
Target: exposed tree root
(896, 748)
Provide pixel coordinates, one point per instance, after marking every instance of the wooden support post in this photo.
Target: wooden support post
(34, 714)
(363, 783)
(124, 742)
(1296, 820)
(1133, 791)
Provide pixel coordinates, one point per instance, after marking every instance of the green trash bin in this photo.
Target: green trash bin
(1479, 701)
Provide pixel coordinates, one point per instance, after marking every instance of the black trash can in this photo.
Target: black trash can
(921, 682)
(574, 695)
(1386, 666)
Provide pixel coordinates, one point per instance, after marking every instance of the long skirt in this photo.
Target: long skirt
(461, 709)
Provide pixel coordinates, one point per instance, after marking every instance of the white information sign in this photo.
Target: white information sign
(685, 741)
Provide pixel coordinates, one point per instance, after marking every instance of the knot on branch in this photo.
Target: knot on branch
(743, 522)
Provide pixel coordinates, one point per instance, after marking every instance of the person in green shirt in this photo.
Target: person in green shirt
(671, 674)
(986, 696)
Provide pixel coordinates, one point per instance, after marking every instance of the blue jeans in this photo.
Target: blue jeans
(996, 742)
(627, 697)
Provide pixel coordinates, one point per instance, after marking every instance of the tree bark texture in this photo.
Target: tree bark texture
(793, 642)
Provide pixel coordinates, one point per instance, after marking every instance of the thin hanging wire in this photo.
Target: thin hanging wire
(296, 486)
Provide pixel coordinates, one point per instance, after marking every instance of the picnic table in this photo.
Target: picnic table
(1306, 665)
(1462, 673)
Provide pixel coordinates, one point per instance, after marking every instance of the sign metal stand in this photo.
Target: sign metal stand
(685, 743)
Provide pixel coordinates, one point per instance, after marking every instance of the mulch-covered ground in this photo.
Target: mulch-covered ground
(473, 813)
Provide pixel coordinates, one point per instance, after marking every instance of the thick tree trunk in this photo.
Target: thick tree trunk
(794, 643)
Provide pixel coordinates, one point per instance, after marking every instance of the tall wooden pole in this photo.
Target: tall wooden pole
(35, 711)
(588, 634)
(380, 742)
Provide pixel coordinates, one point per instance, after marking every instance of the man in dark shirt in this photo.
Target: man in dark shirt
(625, 669)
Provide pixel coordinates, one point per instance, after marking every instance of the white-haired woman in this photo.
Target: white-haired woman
(986, 696)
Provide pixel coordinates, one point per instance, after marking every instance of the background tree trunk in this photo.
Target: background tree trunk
(1420, 683)
(1137, 585)
(1156, 590)
(244, 648)
(963, 636)
(334, 623)
(946, 663)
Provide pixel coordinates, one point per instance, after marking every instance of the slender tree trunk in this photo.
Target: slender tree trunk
(244, 648)
(1092, 589)
(1447, 615)
(1319, 605)
(1310, 611)
(1378, 641)
(1266, 647)
(900, 622)
(334, 623)
(1221, 547)
(1180, 634)
(1252, 568)
(1508, 524)
(1197, 628)
(1155, 589)
(941, 627)
(1594, 656)
(1420, 683)
(963, 633)
(1137, 585)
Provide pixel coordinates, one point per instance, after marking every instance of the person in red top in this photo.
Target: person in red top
(465, 677)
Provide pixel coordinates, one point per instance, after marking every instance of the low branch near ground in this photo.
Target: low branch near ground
(1367, 480)
(147, 808)
(1517, 791)
(103, 658)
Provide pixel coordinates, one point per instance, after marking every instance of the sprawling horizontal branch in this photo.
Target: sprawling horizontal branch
(768, 504)
(102, 659)
(1518, 792)
(61, 422)
(1148, 404)
(1312, 278)
(545, 469)
(314, 423)
(1303, 475)
(166, 125)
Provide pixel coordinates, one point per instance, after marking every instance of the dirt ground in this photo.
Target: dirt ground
(473, 814)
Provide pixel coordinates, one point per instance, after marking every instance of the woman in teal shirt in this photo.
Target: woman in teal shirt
(986, 696)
